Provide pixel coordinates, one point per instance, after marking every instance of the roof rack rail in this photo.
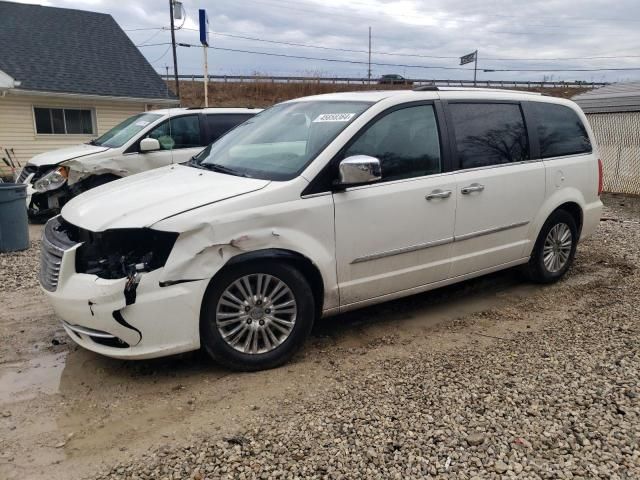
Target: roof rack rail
(195, 108)
(426, 88)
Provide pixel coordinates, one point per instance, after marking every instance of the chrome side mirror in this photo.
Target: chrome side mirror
(149, 145)
(358, 170)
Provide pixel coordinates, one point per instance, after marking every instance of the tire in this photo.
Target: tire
(226, 308)
(552, 256)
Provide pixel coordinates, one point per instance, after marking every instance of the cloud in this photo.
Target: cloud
(535, 29)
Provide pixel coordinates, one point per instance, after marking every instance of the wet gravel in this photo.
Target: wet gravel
(19, 270)
(561, 400)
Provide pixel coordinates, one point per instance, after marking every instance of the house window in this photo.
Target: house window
(61, 121)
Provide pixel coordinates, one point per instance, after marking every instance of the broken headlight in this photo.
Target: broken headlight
(123, 252)
(52, 180)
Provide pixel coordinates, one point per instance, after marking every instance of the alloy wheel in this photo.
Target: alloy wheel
(256, 313)
(557, 247)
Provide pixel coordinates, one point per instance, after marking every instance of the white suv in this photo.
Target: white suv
(144, 141)
(318, 206)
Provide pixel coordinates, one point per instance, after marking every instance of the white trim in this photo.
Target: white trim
(7, 82)
(94, 121)
(37, 93)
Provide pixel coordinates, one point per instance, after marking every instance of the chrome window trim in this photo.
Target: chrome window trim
(401, 180)
(498, 165)
(572, 155)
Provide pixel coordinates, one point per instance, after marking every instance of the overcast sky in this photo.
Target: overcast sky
(525, 33)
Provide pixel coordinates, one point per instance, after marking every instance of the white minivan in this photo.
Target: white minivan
(144, 141)
(318, 206)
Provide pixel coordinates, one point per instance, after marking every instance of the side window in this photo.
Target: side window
(405, 141)
(560, 130)
(178, 132)
(489, 134)
(221, 123)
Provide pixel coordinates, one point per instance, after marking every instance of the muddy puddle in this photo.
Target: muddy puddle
(24, 381)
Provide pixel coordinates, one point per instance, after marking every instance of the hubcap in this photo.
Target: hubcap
(256, 313)
(557, 247)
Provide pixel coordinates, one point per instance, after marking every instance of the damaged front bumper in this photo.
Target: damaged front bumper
(99, 316)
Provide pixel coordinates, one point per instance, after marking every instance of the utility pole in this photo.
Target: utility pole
(173, 46)
(369, 55)
(475, 69)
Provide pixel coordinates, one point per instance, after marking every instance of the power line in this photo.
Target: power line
(486, 69)
(163, 55)
(609, 57)
(144, 42)
(141, 29)
(336, 60)
(319, 47)
(395, 54)
(398, 54)
(628, 69)
(153, 44)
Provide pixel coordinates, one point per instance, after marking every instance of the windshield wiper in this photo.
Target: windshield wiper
(193, 162)
(93, 142)
(222, 169)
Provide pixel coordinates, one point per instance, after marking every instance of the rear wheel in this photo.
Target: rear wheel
(555, 248)
(256, 316)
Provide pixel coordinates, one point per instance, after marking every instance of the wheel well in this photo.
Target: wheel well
(575, 211)
(297, 260)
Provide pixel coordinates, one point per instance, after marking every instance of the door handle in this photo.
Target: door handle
(474, 187)
(438, 194)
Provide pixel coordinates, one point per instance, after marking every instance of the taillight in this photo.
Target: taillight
(600, 180)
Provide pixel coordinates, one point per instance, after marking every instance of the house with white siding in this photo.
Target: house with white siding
(67, 76)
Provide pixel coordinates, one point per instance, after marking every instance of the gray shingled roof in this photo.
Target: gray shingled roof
(617, 97)
(73, 51)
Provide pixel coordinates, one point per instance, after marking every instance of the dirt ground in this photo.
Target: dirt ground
(66, 413)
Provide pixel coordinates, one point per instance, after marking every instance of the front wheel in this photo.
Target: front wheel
(555, 248)
(256, 316)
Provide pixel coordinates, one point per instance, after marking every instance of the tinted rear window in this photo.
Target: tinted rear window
(489, 134)
(560, 130)
(221, 123)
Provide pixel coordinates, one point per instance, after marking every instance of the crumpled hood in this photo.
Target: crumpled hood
(55, 157)
(144, 199)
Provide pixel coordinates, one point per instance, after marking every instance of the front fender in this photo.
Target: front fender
(304, 226)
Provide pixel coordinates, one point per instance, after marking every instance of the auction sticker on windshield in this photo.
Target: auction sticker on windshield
(335, 117)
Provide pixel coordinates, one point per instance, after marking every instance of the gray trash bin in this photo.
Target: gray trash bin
(14, 226)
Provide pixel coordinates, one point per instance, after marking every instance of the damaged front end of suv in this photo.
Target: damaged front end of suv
(123, 253)
(118, 260)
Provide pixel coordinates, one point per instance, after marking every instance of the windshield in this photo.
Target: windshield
(280, 142)
(123, 132)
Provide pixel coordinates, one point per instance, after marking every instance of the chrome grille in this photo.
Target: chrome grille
(54, 243)
(25, 172)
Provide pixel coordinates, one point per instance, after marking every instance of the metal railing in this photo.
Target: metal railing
(409, 81)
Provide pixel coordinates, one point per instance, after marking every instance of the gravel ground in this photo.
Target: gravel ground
(556, 397)
(19, 270)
